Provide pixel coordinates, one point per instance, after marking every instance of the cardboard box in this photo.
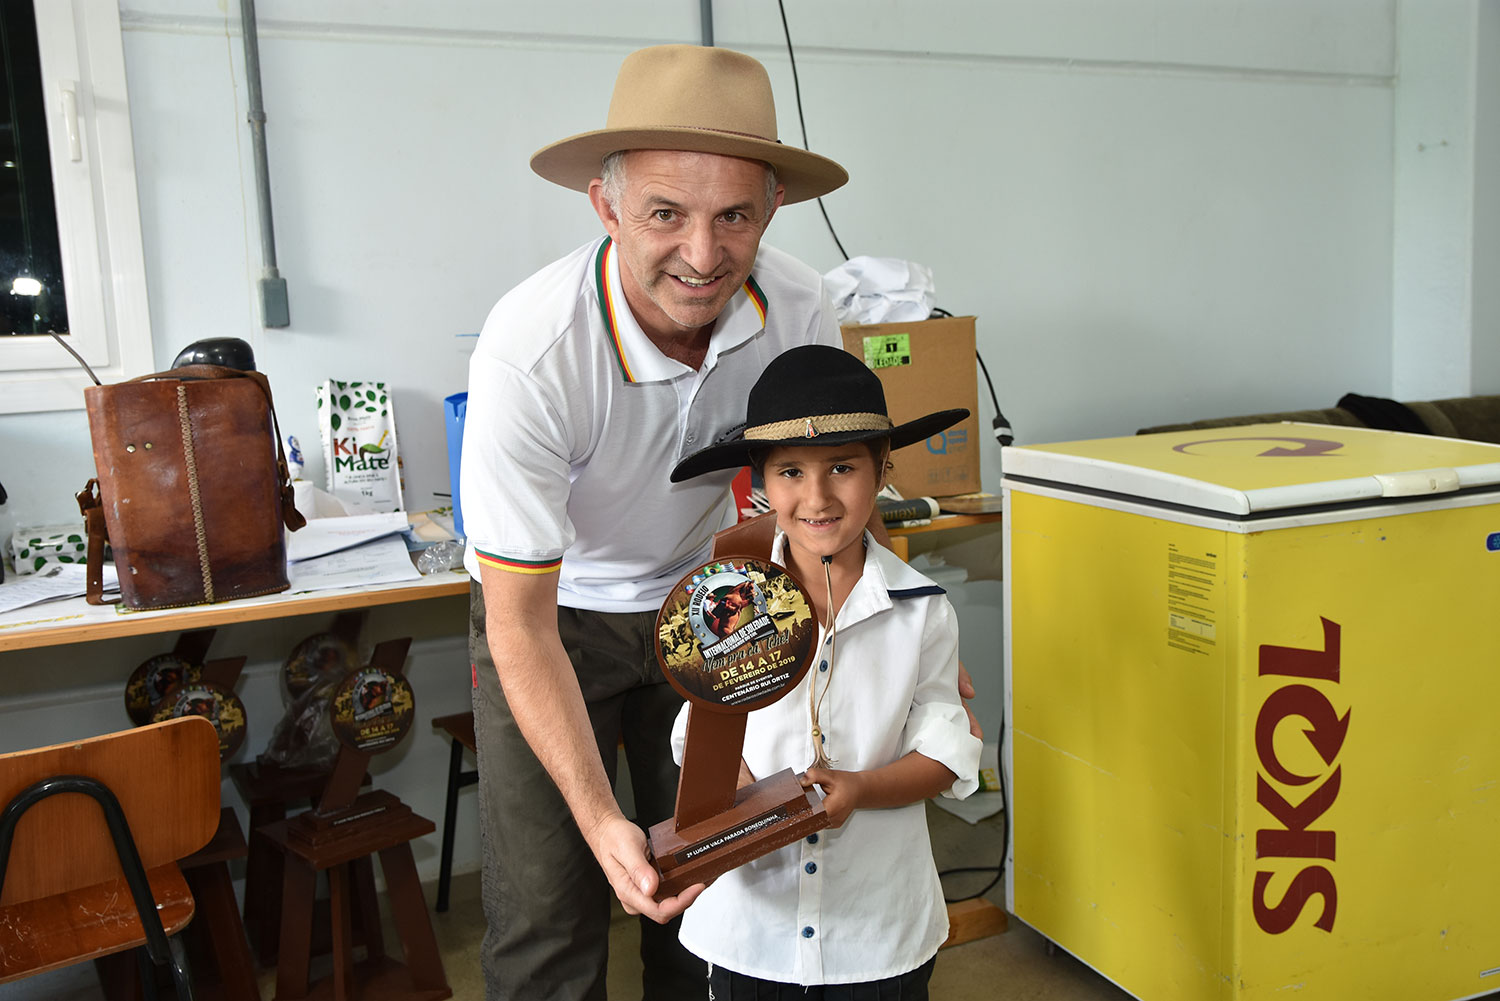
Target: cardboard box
(927, 366)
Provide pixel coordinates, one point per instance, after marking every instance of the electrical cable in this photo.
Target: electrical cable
(797, 89)
(999, 425)
(998, 870)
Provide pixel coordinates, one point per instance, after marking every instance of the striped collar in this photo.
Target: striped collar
(636, 357)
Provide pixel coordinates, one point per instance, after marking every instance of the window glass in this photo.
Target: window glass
(31, 275)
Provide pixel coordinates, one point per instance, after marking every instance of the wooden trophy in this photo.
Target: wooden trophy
(149, 683)
(371, 710)
(736, 634)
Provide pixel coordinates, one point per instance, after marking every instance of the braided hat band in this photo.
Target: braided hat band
(811, 427)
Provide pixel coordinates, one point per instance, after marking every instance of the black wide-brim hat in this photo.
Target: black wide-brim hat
(813, 395)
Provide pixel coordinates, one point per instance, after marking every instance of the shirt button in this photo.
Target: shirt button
(823, 666)
(812, 839)
(807, 932)
(691, 438)
(810, 868)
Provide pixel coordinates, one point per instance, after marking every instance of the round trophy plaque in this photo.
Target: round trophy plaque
(736, 634)
(371, 710)
(150, 683)
(219, 705)
(320, 658)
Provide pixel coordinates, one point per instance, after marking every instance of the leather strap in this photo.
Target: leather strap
(93, 523)
(290, 516)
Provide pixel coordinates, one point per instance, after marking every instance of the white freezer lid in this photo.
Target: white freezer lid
(1261, 467)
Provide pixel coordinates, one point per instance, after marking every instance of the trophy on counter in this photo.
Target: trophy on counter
(370, 711)
(736, 634)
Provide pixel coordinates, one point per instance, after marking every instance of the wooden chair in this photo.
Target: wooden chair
(85, 876)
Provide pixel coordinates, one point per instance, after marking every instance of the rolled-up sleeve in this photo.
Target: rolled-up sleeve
(937, 726)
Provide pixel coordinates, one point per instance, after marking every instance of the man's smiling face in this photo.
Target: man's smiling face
(686, 227)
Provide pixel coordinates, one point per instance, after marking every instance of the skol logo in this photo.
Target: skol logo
(1293, 835)
(952, 439)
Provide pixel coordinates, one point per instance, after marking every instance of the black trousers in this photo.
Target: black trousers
(546, 901)
(726, 985)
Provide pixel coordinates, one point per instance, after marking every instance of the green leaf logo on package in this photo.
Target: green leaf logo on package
(360, 454)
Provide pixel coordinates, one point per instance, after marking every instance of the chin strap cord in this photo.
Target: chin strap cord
(814, 700)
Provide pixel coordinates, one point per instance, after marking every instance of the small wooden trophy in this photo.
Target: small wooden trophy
(371, 710)
(735, 634)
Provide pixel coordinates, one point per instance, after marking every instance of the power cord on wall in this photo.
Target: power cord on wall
(998, 425)
(1003, 434)
(999, 868)
(797, 89)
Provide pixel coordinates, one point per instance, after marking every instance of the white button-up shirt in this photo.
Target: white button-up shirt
(862, 902)
(575, 420)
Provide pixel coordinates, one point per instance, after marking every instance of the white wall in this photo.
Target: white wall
(1434, 190)
(1158, 209)
(1486, 314)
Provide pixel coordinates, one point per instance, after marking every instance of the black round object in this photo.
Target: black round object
(230, 352)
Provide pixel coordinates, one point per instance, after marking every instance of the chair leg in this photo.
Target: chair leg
(182, 977)
(147, 974)
(450, 816)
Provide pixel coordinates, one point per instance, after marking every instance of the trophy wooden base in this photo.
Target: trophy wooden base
(377, 810)
(767, 815)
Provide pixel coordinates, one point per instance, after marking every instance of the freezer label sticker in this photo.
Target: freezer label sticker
(1294, 834)
(1192, 578)
(1493, 542)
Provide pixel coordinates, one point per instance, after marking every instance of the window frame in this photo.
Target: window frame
(99, 226)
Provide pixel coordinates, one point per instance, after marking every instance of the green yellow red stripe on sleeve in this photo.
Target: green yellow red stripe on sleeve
(512, 565)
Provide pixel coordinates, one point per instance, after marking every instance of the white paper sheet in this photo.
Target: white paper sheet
(321, 536)
(63, 580)
(383, 561)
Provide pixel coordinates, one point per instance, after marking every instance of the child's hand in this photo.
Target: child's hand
(746, 777)
(841, 791)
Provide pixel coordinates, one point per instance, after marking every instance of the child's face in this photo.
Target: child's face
(822, 494)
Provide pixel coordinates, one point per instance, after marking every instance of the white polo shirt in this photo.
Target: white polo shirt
(575, 420)
(862, 902)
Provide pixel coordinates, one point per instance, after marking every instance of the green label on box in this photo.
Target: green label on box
(888, 350)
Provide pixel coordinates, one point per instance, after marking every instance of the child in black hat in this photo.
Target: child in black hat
(858, 904)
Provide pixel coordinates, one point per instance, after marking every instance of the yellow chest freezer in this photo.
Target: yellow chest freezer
(1253, 692)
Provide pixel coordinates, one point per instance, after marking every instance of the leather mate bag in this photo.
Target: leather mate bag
(192, 488)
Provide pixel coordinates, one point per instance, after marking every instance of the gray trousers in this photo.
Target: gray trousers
(546, 901)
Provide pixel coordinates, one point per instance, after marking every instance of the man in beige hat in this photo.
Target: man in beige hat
(590, 381)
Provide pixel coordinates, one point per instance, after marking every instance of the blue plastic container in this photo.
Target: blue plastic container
(454, 409)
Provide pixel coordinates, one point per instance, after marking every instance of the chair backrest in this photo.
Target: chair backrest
(166, 777)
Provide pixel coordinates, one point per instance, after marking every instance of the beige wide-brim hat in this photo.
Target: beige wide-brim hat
(696, 98)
